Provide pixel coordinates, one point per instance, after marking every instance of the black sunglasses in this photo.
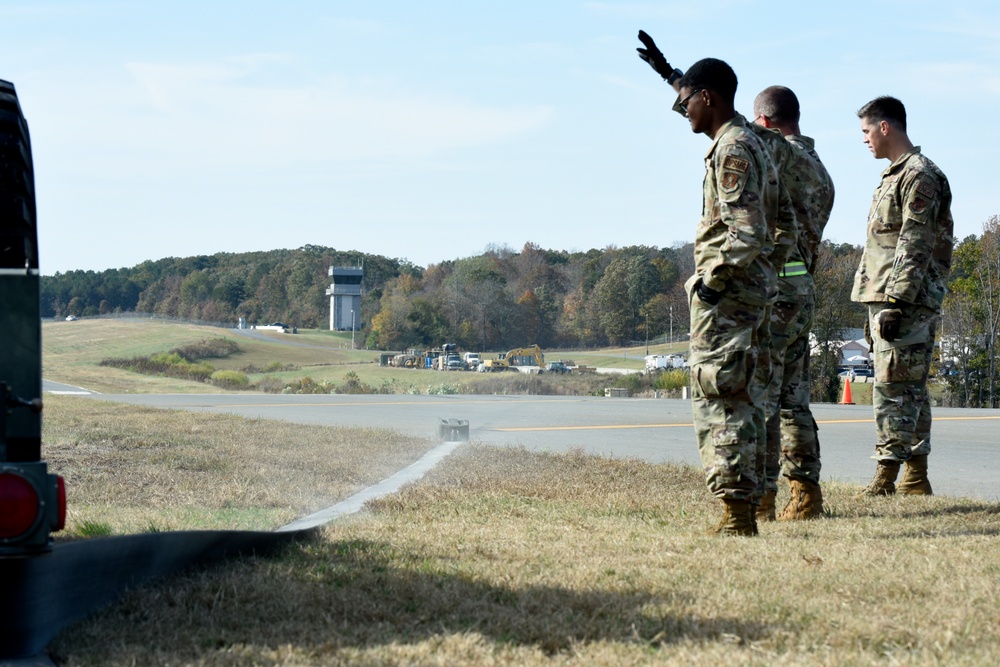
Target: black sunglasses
(683, 104)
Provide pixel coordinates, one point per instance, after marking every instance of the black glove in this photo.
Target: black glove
(888, 323)
(708, 295)
(656, 60)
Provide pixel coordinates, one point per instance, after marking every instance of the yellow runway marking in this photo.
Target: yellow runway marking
(599, 427)
(595, 427)
(524, 429)
(367, 404)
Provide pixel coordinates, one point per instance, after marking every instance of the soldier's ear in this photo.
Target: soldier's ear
(883, 127)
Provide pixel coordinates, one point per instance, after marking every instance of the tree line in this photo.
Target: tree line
(286, 285)
(500, 299)
(970, 320)
(505, 298)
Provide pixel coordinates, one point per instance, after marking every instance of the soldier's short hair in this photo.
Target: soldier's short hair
(777, 103)
(885, 108)
(712, 74)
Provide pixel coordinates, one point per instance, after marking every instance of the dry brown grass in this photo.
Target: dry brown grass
(504, 557)
(136, 469)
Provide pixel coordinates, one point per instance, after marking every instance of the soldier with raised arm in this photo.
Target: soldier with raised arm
(728, 294)
(783, 236)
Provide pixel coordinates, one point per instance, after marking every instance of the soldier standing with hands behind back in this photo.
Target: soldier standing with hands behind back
(902, 278)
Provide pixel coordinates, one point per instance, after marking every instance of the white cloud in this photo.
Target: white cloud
(229, 113)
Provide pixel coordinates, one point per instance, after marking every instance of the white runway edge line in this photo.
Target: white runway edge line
(411, 473)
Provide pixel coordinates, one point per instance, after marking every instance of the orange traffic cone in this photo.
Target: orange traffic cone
(846, 399)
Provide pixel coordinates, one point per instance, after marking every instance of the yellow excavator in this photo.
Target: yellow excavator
(521, 358)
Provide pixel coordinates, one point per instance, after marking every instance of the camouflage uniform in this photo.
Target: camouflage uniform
(905, 265)
(731, 250)
(792, 443)
(782, 223)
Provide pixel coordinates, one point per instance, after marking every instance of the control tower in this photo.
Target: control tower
(345, 298)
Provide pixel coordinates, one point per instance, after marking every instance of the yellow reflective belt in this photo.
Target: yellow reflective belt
(794, 269)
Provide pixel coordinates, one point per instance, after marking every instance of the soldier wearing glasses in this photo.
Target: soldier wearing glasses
(733, 283)
(901, 279)
(806, 198)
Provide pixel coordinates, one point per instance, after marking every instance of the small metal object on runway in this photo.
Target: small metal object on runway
(410, 473)
(454, 430)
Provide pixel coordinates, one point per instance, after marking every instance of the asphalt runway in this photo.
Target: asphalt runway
(964, 461)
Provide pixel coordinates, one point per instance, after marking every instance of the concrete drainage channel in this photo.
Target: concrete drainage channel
(411, 473)
(41, 596)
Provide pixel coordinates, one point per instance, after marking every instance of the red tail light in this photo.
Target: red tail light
(19, 505)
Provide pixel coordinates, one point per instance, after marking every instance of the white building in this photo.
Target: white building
(345, 298)
(854, 349)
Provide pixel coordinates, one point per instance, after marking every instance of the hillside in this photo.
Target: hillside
(114, 355)
(499, 300)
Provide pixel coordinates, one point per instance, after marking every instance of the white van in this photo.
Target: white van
(471, 360)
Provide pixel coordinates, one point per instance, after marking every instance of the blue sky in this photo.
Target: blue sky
(428, 131)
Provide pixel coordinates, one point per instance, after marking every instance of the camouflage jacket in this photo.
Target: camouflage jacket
(732, 243)
(779, 208)
(811, 190)
(781, 213)
(910, 236)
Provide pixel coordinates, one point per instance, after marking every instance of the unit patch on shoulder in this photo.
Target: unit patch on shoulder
(736, 164)
(918, 205)
(730, 179)
(925, 188)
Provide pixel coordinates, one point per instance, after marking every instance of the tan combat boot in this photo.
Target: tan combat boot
(738, 519)
(884, 482)
(766, 509)
(915, 482)
(806, 501)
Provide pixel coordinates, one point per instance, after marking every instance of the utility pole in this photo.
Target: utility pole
(647, 333)
(352, 328)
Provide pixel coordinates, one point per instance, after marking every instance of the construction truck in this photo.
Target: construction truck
(445, 358)
(408, 360)
(525, 359)
(448, 359)
(414, 358)
(471, 360)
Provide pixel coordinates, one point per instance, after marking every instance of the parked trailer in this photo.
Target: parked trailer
(661, 362)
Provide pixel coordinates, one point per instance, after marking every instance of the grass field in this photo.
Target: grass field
(72, 352)
(497, 557)
(505, 557)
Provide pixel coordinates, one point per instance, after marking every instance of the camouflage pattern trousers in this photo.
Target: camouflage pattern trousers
(724, 349)
(759, 387)
(899, 395)
(792, 447)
